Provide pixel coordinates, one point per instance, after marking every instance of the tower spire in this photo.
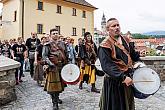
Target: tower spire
(103, 23)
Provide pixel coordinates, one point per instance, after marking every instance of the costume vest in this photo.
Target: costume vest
(111, 43)
(56, 54)
(90, 51)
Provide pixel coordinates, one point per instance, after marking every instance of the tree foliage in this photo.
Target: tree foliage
(140, 36)
(151, 52)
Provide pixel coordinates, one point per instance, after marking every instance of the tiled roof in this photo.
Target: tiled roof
(81, 2)
(154, 40)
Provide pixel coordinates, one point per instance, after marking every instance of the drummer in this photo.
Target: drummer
(116, 57)
(54, 56)
(88, 57)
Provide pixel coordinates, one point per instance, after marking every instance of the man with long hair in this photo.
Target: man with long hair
(87, 68)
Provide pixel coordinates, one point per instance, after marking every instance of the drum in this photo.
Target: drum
(98, 65)
(146, 82)
(99, 70)
(70, 74)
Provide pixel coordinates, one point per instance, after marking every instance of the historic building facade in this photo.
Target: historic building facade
(71, 17)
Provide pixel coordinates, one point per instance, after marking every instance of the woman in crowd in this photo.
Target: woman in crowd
(87, 67)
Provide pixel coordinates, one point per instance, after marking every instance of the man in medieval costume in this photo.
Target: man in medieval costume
(117, 56)
(54, 56)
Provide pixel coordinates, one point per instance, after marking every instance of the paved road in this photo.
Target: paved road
(32, 97)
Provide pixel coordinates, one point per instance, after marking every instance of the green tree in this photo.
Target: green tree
(140, 36)
(151, 52)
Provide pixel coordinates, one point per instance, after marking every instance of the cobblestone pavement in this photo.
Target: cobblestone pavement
(32, 97)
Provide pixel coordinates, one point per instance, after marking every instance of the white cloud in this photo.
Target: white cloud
(133, 15)
(0, 7)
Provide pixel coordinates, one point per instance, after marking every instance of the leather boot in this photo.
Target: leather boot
(54, 101)
(93, 89)
(59, 100)
(55, 106)
(80, 85)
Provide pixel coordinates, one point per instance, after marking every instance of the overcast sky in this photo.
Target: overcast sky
(0, 7)
(137, 16)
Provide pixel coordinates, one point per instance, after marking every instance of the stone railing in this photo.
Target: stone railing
(156, 63)
(7, 79)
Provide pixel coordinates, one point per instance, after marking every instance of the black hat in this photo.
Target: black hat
(86, 33)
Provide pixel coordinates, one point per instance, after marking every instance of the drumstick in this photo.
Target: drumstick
(142, 81)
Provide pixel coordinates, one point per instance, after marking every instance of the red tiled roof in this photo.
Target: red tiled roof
(154, 41)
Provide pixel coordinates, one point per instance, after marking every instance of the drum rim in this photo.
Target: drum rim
(72, 83)
(158, 81)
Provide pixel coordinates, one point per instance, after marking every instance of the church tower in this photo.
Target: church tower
(103, 24)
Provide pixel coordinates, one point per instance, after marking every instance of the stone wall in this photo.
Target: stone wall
(7, 79)
(7, 87)
(156, 63)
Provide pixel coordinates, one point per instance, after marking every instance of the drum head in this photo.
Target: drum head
(70, 73)
(146, 80)
(98, 65)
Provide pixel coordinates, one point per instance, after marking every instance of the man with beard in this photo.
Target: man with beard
(116, 57)
(31, 44)
(54, 56)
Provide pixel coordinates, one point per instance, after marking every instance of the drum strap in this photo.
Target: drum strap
(110, 43)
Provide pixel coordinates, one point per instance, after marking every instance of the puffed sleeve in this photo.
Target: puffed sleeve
(108, 65)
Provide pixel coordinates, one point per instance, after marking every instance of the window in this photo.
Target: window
(74, 31)
(39, 28)
(15, 16)
(84, 14)
(59, 9)
(58, 28)
(40, 5)
(74, 12)
(83, 31)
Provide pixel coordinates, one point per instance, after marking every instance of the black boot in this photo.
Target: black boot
(93, 89)
(59, 100)
(80, 85)
(54, 101)
(55, 106)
